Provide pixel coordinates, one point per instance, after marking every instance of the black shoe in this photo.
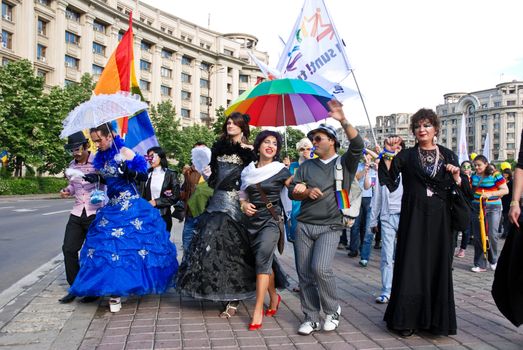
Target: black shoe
(405, 333)
(67, 299)
(86, 300)
(377, 246)
(352, 254)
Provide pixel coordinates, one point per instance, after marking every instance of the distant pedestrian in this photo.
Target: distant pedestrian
(83, 212)
(320, 220)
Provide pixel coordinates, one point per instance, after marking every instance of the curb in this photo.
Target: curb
(31, 196)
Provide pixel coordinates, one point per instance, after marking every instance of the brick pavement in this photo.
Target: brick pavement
(35, 320)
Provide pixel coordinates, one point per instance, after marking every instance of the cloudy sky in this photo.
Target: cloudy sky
(405, 53)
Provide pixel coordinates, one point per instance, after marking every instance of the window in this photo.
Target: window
(241, 91)
(205, 66)
(228, 52)
(72, 38)
(204, 84)
(45, 2)
(511, 125)
(185, 113)
(229, 88)
(497, 103)
(204, 116)
(145, 85)
(7, 40)
(97, 70)
(205, 100)
(7, 11)
(186, 95)
(145, 46)
(42, 27)
(186, 60)
(40, 52)
(510, 135)
(98, 49)
(5, 61)
(166, 72)
(511, 115)
(510, 146)
(167, 54)
(511, 102)
(72, 14)
(165, 90)
(186, 78)
(145, 65)
(42, 74)
(68, 82)
(120, 36)
(72, 62)
(244, 78)
(484, 105)
(99, 27)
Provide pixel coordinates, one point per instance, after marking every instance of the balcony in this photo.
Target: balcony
(73, 49)
(145, 75)
(100, 38)
(146, 55)
(99, 60)
(72, 73)
(73, 26)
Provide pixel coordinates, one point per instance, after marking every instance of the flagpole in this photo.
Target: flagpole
(365, 108)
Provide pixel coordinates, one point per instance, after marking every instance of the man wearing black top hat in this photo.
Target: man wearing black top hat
(83, 212)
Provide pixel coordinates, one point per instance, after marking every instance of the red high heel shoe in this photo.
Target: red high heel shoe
(271, 312)
(254, 326)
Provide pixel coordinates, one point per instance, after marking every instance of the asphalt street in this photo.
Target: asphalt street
(31, 233)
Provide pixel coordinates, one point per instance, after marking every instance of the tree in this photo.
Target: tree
(293, 136)
(166, 126)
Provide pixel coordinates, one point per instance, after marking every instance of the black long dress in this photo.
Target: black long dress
(220, 265)
(422, 295)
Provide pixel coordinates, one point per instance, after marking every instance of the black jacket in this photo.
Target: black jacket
(170, 182)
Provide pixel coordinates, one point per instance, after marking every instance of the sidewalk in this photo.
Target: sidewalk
(31, 317)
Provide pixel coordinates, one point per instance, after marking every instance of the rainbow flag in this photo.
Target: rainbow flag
(119, 75)
(342, 197)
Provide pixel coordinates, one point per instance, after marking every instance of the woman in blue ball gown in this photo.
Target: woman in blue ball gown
(127, 249)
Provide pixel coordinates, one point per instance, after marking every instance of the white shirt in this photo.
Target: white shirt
(157, 177)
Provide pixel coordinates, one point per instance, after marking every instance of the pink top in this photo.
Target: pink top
(81, 189)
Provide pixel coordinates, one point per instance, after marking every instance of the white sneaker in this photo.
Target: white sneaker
(493, 266)
(332, 321)
(306, 328)
(478, 269)
(115, 304)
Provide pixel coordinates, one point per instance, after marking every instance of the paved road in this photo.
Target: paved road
(31, 233)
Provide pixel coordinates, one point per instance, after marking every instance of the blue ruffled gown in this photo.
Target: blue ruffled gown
(127, 248)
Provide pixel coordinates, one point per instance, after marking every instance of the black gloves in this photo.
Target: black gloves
(125, 172)
(92, 178)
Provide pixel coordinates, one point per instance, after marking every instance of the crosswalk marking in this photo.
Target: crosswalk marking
(57, 212)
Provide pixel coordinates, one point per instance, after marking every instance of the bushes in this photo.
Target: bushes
(31, 185)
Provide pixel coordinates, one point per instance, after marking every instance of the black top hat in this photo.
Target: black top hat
(75, 140)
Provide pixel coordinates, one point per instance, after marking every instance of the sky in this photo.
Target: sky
(406, 54)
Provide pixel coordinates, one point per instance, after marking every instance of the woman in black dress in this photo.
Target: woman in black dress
(269, 176)
(422, 296)
(219, 265)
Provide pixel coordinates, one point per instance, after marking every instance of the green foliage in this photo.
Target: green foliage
(293, 136)
(31, 120)
(32, 185)
(166, 126)
(220, 120)
(185, 140)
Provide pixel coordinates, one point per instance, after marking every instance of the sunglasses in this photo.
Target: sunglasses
(75, 150)
(319, 138)
(305, 149)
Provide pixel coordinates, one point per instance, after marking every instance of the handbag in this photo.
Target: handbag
(278, 218)
(178, 211)
(460, 210)
(97, 196)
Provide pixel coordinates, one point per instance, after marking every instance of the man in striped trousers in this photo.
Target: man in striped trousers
(320, 221)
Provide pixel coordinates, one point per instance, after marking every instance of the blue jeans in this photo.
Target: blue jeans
(188, 232)
(389, 228)
(493, 216)
(362, 220)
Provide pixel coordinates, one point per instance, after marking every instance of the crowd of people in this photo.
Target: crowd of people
(240, 203)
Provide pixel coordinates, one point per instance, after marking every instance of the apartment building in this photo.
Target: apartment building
(197, 68)
(497, 111)
(386, 125)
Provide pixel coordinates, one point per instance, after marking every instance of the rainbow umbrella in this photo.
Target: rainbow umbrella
(283, 102)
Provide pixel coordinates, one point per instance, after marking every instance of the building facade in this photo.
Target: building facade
(386, 125)
(197, 68)
(497, 111)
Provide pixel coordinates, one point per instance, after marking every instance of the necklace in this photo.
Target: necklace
(429, 160)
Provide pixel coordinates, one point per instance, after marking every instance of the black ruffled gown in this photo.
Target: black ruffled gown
(220, 265)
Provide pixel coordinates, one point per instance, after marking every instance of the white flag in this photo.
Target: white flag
(268, 72)
(315, 52)
(463, 153)
(486, 148)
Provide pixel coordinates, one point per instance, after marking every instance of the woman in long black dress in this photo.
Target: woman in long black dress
(271, 176)
(219, 265)
(422, 296)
